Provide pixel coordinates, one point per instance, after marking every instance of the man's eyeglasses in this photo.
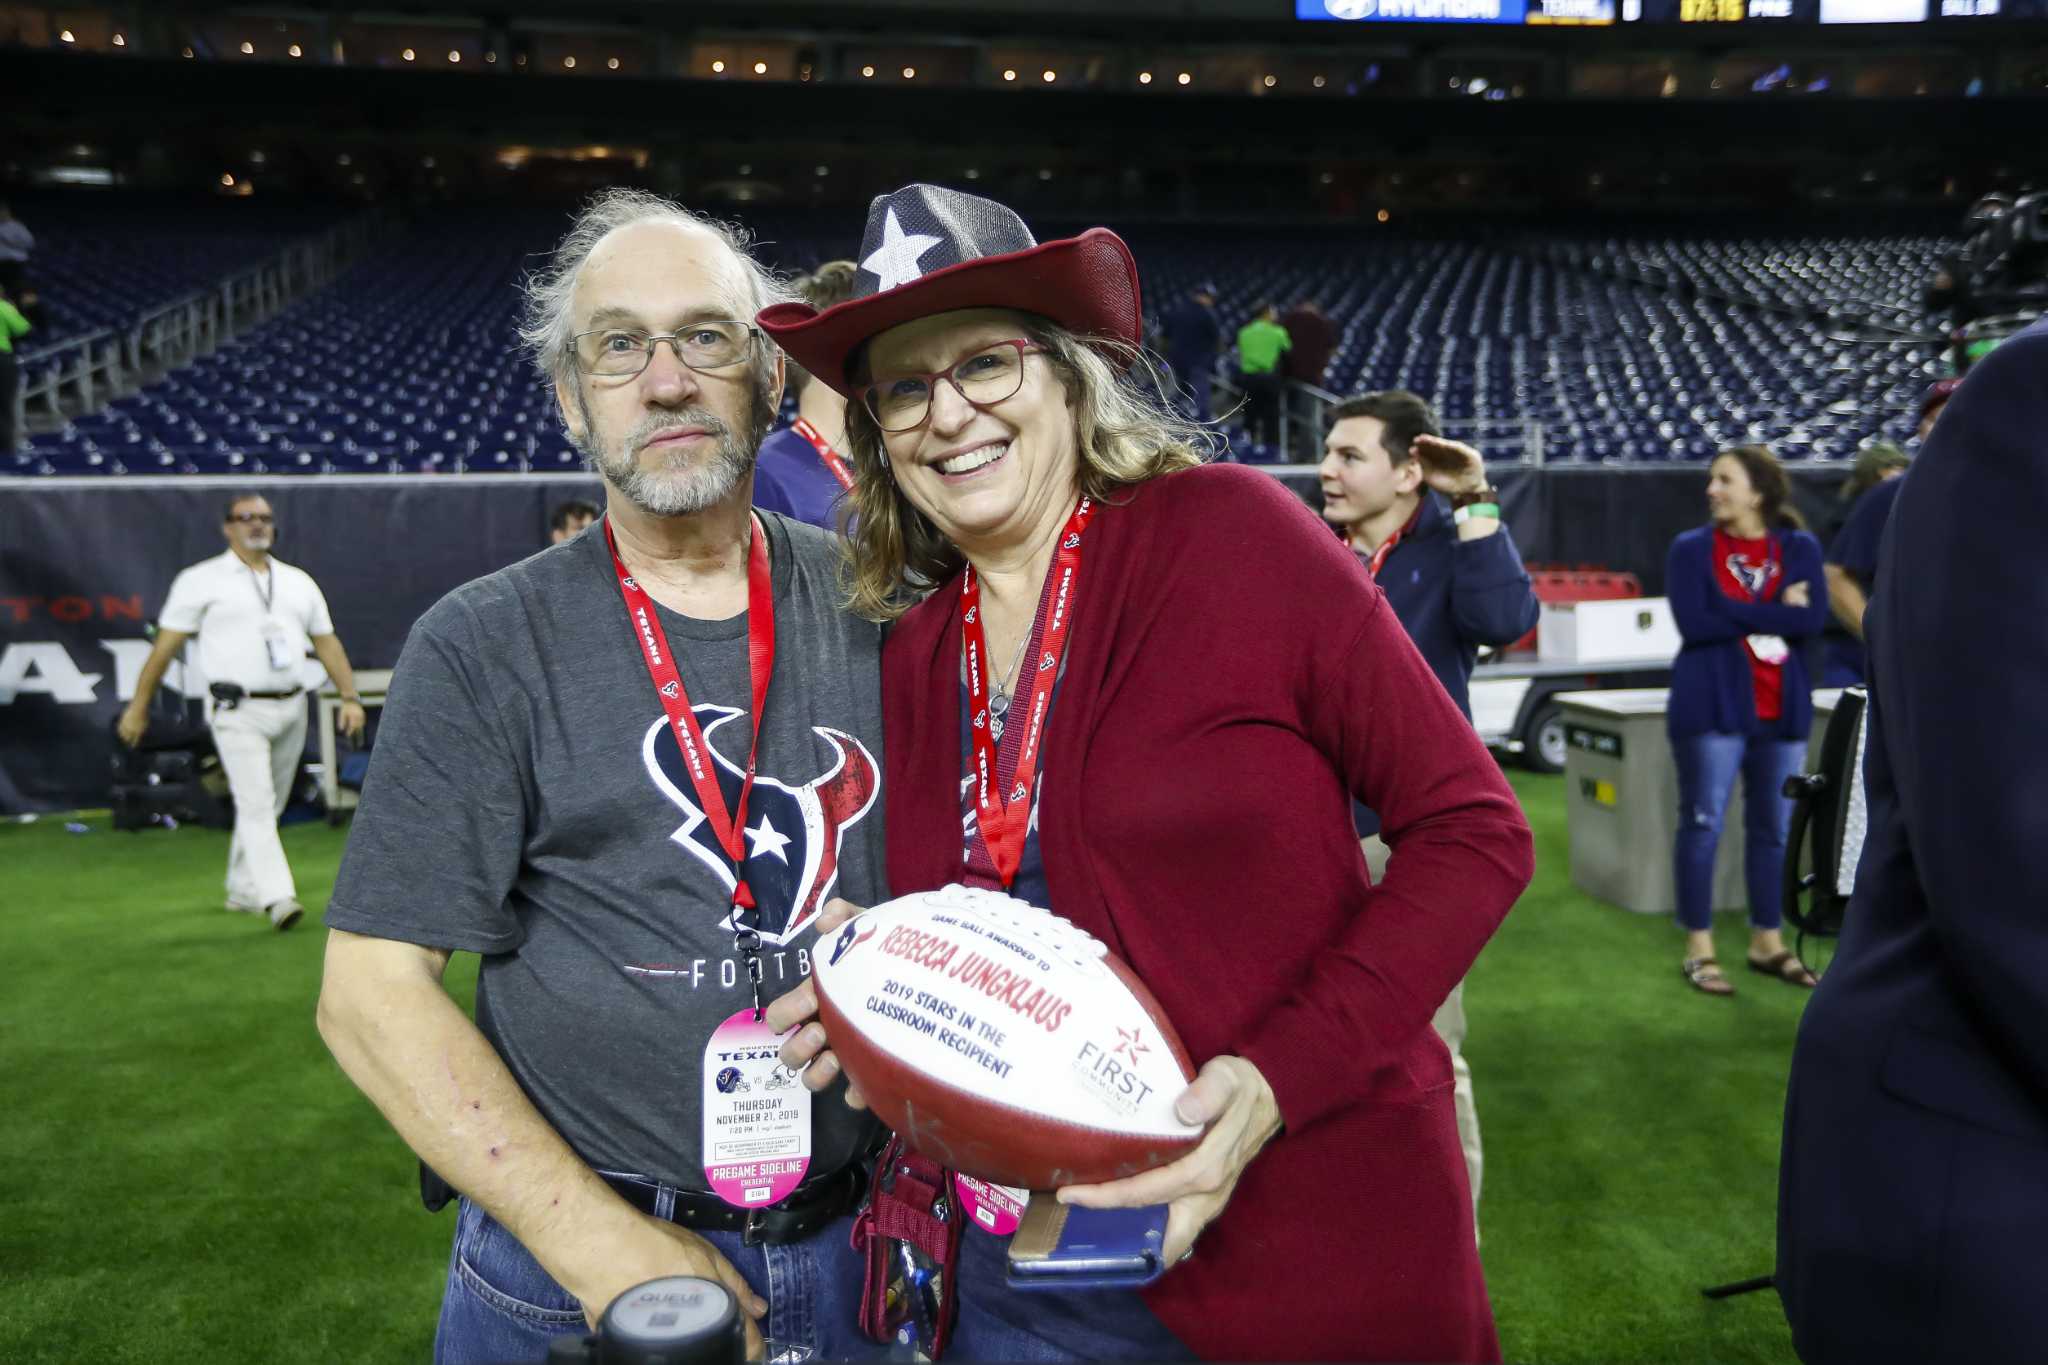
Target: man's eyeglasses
(621, 352)
(992, 373)
(253, 518)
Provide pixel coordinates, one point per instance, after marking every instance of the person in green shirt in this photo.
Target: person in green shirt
(12, 325)
(1260, 344)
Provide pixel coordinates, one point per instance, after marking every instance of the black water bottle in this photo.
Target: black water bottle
(680, 1320)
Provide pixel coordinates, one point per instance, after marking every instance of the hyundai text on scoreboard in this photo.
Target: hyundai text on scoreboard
(1458, 11)
(1603, 12)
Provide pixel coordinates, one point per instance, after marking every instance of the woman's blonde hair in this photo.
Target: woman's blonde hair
(1123, 434)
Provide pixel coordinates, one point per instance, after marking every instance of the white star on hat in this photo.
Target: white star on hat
(895, 262)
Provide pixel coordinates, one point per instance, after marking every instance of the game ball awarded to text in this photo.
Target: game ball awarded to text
(999, 1039)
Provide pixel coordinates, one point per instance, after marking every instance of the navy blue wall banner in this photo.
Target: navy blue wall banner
(85, 564)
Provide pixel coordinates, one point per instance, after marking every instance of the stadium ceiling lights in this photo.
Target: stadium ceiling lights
(1049, 75)
(718, 68)
(407, 55)
(295, 51)
(1184, 78)
(760, 68)
(1007, 75)
(1144, 78)
(120, 41)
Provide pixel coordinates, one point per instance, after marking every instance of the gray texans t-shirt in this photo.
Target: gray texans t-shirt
(527, 801)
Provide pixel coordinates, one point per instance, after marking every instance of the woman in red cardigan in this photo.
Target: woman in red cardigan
(1216, 679)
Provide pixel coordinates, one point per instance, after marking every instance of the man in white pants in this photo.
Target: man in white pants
(255, 617)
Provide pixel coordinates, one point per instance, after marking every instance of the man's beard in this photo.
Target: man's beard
(683, 482)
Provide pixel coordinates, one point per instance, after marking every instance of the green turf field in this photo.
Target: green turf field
(188, 1177)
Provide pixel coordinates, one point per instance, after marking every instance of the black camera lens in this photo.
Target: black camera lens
(680, 1320)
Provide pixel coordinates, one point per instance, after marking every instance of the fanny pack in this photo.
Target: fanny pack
(909, 1236)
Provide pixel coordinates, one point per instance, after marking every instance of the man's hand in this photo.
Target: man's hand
(1234, 1099)
(1450, 467)
(351, 721)
(133, 725)
(1799, 595)
(807, 1051)
(649, 1248)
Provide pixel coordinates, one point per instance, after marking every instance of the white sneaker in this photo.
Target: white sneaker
(285, 913)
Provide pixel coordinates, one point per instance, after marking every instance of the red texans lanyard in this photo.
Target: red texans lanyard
(728, 827)
(1003, 824)
(833, 460)
(1378, 559)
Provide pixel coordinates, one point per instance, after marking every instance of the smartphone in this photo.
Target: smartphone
(1064, 1246)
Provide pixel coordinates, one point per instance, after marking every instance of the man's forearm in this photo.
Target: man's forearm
(425, 1065)
(1846, 599)
(334, 659)
(154, 667)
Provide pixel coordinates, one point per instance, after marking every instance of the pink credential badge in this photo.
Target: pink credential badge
(757, 1115)
(996, 1209)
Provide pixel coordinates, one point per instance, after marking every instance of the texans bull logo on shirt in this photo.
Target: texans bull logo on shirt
(1752, 575)
(793, 830)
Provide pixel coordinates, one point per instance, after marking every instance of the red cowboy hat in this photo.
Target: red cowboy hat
(932, 250)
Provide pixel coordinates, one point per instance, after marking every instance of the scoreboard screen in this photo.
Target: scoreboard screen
(1459, 11)
(1761, 13)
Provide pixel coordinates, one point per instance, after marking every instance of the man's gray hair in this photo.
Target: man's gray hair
(547, 326)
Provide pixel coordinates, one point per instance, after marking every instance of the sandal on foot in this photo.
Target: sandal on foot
(1703, 974)
(1786, 968)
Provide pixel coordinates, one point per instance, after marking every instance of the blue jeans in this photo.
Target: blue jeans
(997, 1322)
(501, 1308)
(1707, 765)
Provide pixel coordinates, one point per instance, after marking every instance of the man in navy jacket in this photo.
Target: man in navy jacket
(1194, 334)
(1419, 512)
(1913, 1195)
(1421, 516)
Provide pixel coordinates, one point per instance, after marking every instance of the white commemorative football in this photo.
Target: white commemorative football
(1002, 1041)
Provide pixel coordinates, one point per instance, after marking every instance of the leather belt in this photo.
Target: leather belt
(807, 1209)
(275, 696)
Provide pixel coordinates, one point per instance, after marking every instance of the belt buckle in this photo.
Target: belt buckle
(750, 1230)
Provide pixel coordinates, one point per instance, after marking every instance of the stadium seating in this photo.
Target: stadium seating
(105, 257)
(1619, 349)
(1615, 360)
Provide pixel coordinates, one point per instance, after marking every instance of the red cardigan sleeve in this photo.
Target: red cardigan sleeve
(1462, 850)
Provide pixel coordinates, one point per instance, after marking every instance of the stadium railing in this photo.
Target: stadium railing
(90, 370)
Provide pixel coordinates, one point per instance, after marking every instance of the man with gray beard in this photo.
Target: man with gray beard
(628, 772)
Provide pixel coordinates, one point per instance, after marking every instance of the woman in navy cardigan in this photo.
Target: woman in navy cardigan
(1748, 596)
